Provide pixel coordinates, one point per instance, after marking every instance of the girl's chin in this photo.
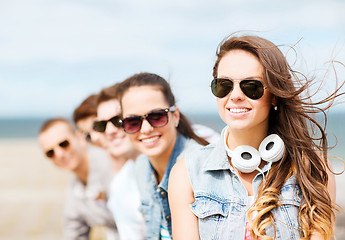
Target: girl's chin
(150, 152)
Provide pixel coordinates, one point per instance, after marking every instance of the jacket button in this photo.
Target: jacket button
(167, 218)
(163, 194)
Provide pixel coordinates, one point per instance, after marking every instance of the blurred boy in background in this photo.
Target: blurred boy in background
(84, 116)
(86, 198)
(124, 198)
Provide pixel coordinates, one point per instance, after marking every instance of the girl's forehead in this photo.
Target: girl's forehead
(143, 99)
(240, 64)
(143, 93)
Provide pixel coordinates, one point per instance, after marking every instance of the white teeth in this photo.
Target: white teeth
(149, 140)
(238, 110)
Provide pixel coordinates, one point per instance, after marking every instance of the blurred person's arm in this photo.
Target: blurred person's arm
(75, 229)
(74, 226)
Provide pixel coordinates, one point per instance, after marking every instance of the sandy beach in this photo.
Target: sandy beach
(32, 193)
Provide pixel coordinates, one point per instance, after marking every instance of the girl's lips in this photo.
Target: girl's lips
(150, 141)
(238, 112)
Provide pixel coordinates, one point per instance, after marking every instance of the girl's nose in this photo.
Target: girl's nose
(236, 93)
(146, 127)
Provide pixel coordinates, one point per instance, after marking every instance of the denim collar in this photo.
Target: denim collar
(178, 148)
(218, 158)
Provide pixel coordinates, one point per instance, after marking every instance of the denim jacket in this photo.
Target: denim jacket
(154, 197)
(221, 198)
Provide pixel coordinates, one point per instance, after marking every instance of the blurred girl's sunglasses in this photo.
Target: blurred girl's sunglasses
(64, 144)
(254, 89)
(100, 126)
(156, 118)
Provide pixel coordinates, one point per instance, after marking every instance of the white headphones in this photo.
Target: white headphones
(247, 159)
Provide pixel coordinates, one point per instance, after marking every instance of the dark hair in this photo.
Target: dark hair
(292, 122)
(150, 79)
(53, 121)
(87, 108)
(108, 93)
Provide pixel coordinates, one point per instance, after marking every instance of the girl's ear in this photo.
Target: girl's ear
(274, 101)
(176, 114)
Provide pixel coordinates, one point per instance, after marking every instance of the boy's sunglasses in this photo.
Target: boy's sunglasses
(64, 144)
(156, 118)
(254, 89)
(87, 136)
(100, 126)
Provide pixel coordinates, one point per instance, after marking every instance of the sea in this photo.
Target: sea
(19, 128)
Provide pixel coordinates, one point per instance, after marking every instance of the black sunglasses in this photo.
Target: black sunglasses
(156, 118)
(254, 89)
(64, 144)
(100, 126)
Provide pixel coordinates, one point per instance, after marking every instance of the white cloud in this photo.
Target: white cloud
(77, 31)
(63, 44)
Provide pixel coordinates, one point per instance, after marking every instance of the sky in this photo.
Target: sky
(55, 53)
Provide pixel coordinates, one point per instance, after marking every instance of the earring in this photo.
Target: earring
(177, 124)
(275, 108)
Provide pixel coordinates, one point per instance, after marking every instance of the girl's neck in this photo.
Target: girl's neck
(251, 137)
(160, 162)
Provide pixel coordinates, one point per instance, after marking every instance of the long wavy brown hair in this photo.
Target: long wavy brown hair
(304, 138)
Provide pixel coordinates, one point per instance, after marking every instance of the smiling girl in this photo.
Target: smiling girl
(267, 177)
(162, 133)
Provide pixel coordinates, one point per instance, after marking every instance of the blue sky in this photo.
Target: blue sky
(54, 53)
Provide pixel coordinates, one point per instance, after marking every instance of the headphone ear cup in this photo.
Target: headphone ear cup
(272, 148)
(245, 158)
